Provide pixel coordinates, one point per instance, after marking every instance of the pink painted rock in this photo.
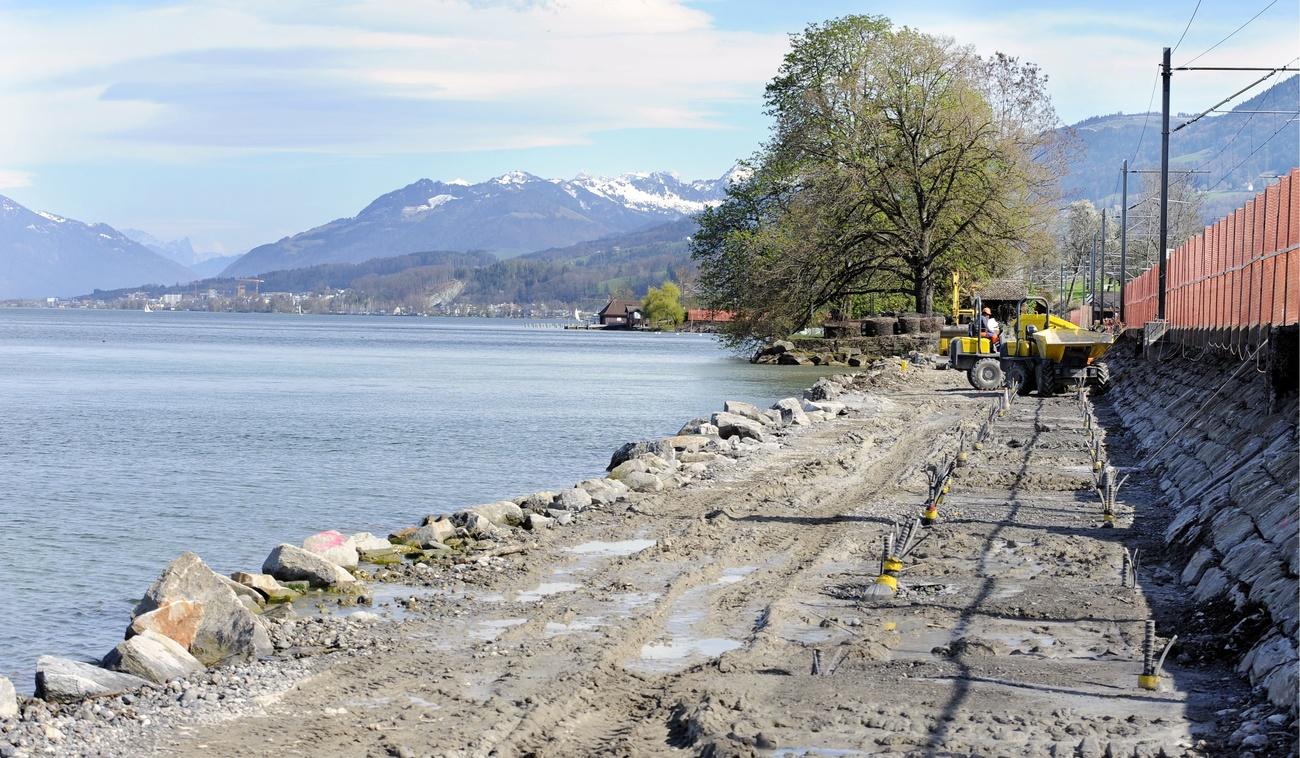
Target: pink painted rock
(335, 547)
(177, 619)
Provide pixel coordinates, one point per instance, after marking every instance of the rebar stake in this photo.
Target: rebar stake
(1149, 679)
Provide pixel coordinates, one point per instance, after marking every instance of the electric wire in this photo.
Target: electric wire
(1230, 34)
(1185, 28)
(1242, 162)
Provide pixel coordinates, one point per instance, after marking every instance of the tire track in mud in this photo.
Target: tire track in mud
(817, 502)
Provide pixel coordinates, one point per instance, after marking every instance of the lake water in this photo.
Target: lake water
(129, 437)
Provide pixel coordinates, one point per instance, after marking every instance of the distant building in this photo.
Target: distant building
(171, 298)
(706, 316)
(622, 314)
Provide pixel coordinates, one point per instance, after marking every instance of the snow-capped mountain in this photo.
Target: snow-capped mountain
(508, 215)
(44, 255)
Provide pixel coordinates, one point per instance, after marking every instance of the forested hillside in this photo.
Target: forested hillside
(1234, 148)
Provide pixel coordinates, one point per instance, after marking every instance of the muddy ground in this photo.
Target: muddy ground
(689, 621)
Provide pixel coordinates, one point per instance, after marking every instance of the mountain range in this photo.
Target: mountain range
(590, 221)
(182, 251)
(510, 215)
(44, 255)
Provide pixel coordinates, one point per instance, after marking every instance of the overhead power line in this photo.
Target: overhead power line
(1189, 26)
(1234, 95)
(1146, 118)
(1232, 33)
(1242, 162)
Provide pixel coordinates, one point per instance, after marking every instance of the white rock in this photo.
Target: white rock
(335, 547)
(365, 542)
(289, 563)
(8, 699)
(154, 657)
(63, 680)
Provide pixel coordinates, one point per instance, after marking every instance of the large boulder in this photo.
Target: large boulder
(434, 532)
(293, 564)
(691, 443)
(248, 596)
(63, 680)
(791, 411)
(335, 547)
(266, 586)
(502, 513)
(748, 410)
(8, 699)
(731, 425)
(699, 426)
(152, 656)
(604, 491)
(636, 449)
(365, 542)
(823, 389)
(576, 500)
(177, 619)
(228, 630)
(642, 481)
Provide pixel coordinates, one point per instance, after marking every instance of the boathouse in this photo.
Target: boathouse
(619, 313)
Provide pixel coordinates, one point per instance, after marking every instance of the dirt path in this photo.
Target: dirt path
(690, 622)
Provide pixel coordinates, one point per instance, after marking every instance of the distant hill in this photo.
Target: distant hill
(1219, 143)
(513, 214)
(44, 255)
(580, 275)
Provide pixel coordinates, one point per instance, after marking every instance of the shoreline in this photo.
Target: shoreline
(344, 614)
(736, 615)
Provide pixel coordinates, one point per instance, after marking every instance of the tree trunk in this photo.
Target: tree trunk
(923, 291)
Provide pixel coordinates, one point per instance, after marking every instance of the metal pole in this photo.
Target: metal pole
(1092, 281)
(1063, 307)
(1101, 267)
(1165, 74)
(1123, 239)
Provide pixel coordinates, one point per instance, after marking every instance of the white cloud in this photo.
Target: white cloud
(13, 178)
(199, 79)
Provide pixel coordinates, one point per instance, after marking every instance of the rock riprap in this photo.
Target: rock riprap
(228, 630)
(293, 564)
(66, 680)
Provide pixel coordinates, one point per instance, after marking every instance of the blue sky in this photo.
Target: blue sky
(236, 122)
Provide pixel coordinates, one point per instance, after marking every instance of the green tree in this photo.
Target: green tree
(895, 158)
(663, 306)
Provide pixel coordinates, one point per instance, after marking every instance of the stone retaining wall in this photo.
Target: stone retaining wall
(1231, 475)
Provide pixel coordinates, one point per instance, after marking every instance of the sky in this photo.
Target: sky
(237, 122)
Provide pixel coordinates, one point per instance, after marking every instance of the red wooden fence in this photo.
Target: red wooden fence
(1239, 276)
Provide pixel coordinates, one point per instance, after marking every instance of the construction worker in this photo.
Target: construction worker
(989, 326)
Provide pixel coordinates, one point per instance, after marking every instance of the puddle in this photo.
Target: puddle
(685, 640)
(546, 589)
(622, 548)
(585, 624)
(679, 649)
(492, 628)
(734, 575)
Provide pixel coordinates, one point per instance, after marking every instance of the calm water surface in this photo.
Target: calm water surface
(129, 437)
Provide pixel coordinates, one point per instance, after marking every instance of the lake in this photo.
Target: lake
(129, 437)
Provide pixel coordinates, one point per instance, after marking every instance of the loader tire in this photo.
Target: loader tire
(1018, 375)
(1046, 379)
(986, 374)
(1101, 385)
